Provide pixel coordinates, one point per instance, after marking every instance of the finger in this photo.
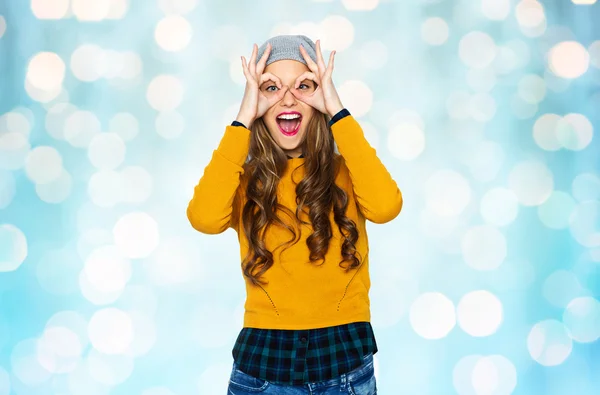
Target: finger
(307, 75)
(263, 60)
(252, 65)
(310, 63)
(245, 68)
(320, 60)
(264, 77)
(330, 65)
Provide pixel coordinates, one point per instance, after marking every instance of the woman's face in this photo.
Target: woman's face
(288, 133)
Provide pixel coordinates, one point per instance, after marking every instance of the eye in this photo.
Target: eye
(307, 87)
(271, 86)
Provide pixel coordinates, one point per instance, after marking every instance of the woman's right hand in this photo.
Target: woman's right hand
(255, 102)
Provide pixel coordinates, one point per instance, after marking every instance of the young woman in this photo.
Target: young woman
(299, 209)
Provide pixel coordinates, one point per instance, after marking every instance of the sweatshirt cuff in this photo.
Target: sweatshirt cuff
(341, 114)
(237, 123)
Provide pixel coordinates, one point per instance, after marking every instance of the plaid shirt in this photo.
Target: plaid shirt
(296, 357)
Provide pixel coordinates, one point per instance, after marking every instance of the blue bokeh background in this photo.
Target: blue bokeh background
(484, 111)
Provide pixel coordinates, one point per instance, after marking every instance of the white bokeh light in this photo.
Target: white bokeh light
(46, 71)
(532, 88)
(556, 211)
(43, 165)
(165, 92)
(447, 192)
(16, 121)
(496, 10)
(499, 206)
(434, 31)
(339, 33)
(360, 5)
(462, 374)
(568, 59)
(177, 6)
(145, 334)
(432, 315)
(484, 247)
(357, 96)
(25, 364)
(90, 10)
(173, 33)
(479, 313)
(118, 9)
(125, 125)
(106, 188)
(549, 343)
(56, 191)
(59, 350)
(531, 17)
(406, 141)
(477, 49)
(110, 331)
(582, 318)
(585, 223)
(4, 377)
(110, 370)
(482, 107)
(574, 131)
(14, 248)
(560, 287)
(494, 374)
(81, 127)
(56, 118)
(136, 234)
(586, 186)
(8, 188)
(14, 149)
(107, 270)
(531, 182)
(106, 151)
(544, 132)
(88, 62)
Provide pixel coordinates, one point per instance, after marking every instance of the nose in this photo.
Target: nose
(288, 98)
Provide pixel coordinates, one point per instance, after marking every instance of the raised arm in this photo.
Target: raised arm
(376, 192)
(210, 209)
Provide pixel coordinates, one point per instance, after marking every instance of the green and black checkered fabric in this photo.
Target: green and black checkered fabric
(296, 357)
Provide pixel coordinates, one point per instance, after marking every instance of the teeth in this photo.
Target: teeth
(289, 116)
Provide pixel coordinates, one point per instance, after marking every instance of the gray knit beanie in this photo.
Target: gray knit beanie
(286, 46)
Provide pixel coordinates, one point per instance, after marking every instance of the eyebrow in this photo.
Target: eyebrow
(269, 81)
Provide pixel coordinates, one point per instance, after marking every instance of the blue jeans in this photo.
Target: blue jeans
(360, 381)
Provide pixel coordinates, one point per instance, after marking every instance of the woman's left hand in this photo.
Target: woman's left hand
(325, 98)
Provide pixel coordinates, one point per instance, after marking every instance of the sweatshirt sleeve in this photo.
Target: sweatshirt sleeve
(375, 191)
(211, 207)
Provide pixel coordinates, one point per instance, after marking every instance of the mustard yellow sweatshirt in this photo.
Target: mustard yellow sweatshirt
(300, 294)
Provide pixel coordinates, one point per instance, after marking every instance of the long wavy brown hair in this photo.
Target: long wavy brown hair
(316, 192)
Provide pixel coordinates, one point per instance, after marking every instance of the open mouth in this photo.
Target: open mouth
(289, 124)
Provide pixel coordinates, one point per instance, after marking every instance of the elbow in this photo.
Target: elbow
(388, 211)
(205, 223)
